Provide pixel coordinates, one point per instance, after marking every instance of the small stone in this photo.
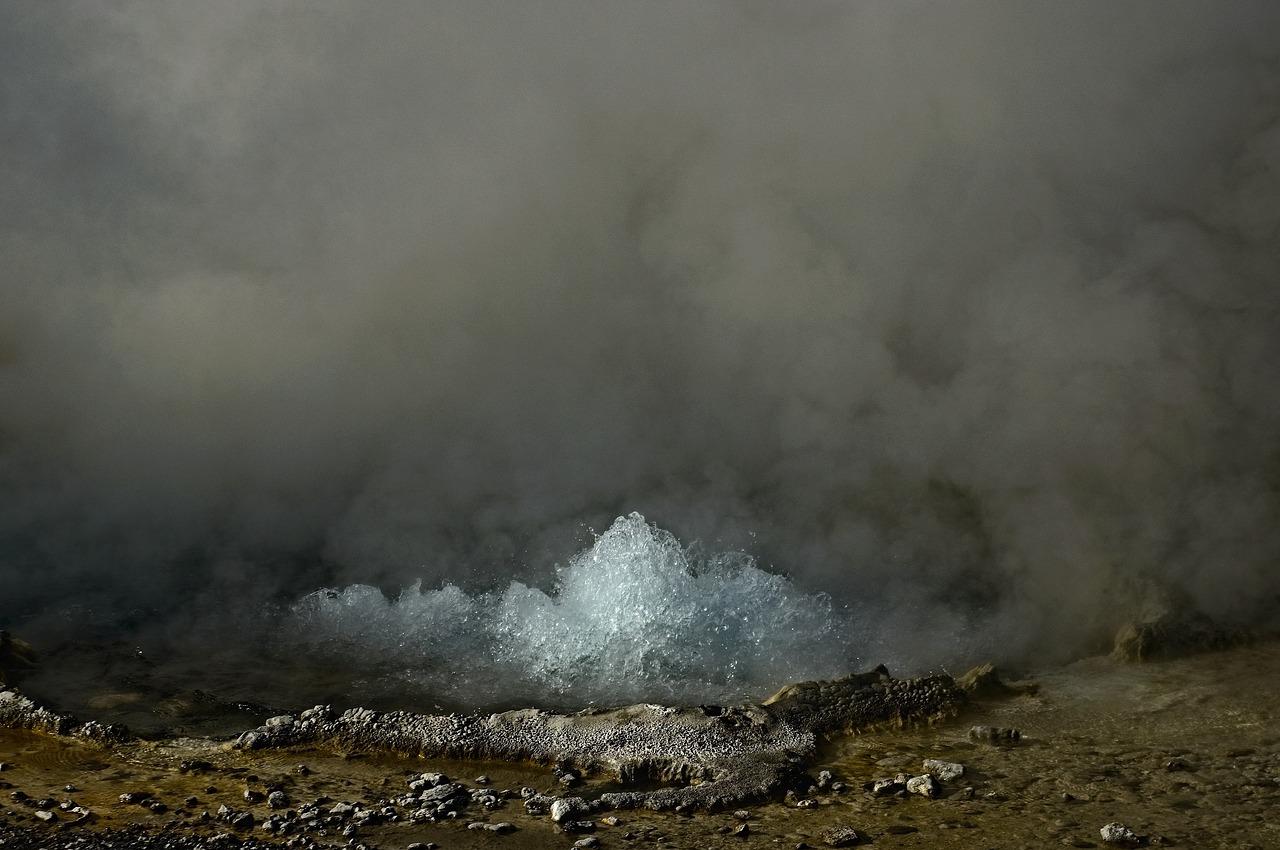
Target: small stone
(565, 807)
(886, 787)
(610, 820)
(589, 841)
(1118, 833)
(924, 785)
(573, 826)
(134, 798)
(502, 828)
(943, 771)
(278, 800)
(46, 816)
(804, 804)
(251, 796)
(995, 734)
(742, 830)
(842, 836)
(742, 814)
(482, 780)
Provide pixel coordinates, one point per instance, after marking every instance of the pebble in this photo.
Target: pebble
(994, 734)
(924, 785)
(943, 771)
(842, 836)
(1118, 833)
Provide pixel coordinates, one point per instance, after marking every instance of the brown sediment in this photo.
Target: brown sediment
(1182, 752)
(703, 758)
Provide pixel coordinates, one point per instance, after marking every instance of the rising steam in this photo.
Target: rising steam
(964, 314)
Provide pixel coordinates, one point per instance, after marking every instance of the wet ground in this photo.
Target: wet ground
(1186, 753)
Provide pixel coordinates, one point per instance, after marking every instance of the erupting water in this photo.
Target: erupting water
(635, 617)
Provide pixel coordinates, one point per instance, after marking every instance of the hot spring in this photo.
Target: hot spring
(335, 340)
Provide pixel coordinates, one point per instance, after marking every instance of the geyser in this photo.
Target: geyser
(964, 316)
(635, 617)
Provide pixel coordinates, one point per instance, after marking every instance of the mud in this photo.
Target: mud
(1183, 752)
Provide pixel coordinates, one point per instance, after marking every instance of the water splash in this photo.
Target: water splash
(635, 617)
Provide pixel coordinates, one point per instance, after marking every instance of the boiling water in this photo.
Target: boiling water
(637, 616)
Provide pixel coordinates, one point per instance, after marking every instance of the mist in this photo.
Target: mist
(964, 315)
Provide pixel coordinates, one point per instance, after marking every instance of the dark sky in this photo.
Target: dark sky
(969, 308)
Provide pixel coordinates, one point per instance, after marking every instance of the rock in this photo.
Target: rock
(995, 734)
(564, 808)
(842, 836)
(46, 816)
(925, 786)
(1119, 834)
(278, 800)
(886, 787)
(589, 841)
(742, 830)
(943, 771)
(577, 826)
(982, 681)
(442, 793)
(1171, 626)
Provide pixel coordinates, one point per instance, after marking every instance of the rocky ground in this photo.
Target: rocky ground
(1102, 753)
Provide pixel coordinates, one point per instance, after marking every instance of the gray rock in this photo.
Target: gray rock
(442, 793)
(842, 836)
(924, 785)
(564, 808)
(1119, 834)
(886, 787)
(943, 771)
(995, 734)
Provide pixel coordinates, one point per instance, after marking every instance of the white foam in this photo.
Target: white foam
(635, 617)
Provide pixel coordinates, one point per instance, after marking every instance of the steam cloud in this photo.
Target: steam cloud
(963, 312)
